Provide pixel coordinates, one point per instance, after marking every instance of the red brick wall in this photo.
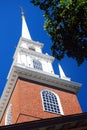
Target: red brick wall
(27, 104)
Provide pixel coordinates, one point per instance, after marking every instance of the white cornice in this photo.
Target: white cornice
(34, 75)
(22, 39)
(32, 42)
(37, 54)
(33, 53)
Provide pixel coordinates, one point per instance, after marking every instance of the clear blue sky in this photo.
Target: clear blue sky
(10, 32)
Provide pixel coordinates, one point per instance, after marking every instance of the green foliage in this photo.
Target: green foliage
(66, 23)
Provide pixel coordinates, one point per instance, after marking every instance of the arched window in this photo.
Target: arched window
(37, 64)
(51, 102)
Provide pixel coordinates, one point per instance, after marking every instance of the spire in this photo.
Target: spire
(25, 31)
(62, 74)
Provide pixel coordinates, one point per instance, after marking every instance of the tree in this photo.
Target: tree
(66, 23)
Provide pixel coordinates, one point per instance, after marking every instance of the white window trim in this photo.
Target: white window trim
(58, 99)
(8, 116)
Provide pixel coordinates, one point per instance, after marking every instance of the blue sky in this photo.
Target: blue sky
(10, 32)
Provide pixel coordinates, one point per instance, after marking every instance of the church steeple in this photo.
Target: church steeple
(33, 91)
(25, 30)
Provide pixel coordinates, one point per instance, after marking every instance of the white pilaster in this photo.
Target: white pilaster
(8, 117)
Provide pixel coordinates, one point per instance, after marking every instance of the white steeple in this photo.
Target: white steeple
(25, 31)
(62, 74)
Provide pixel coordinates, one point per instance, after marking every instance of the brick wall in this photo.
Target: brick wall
(27, 104)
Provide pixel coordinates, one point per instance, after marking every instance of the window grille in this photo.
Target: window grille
(50, 102)
(37, 64)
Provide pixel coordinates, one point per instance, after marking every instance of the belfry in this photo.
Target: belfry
(33, 91)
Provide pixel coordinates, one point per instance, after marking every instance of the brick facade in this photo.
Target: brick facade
(27, 104)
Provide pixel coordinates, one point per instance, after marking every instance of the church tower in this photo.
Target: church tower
(33, 91)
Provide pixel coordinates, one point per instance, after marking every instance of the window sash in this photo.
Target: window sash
(50, 102)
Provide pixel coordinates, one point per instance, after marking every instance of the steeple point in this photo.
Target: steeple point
(22, 11)
(25, 30)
